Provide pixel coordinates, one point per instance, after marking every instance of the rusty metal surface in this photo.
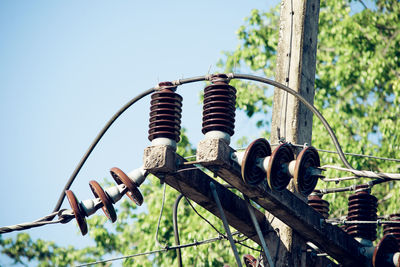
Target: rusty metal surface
(133, 192)
(278, 179)
(219, 106)
(317, 203)
(108, 207)
(78, 212)
(383, 253)
(257, 150)
(362, 207)
(165, 113)
(305, 178)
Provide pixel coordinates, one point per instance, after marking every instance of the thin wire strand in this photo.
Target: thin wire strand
(207, 221)
(163, 250)
(349, 154)
(159, 219)
(366, 174)
(335, 152)
(339, 179)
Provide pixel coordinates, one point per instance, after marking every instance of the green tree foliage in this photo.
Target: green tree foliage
(357, 90)
(357, 84)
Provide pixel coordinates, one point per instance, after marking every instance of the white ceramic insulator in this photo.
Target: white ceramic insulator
(291, 167)
(90, 206)
(263, 163)
(218, 135)
(162, 141)
(396, 258)
(238, 157)
(115, 192)
(138, 175)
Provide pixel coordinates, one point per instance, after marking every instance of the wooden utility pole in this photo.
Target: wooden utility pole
(296, 63)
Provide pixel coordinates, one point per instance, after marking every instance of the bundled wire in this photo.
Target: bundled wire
(64, 217)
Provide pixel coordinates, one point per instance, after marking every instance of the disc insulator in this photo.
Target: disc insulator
(133, 191)
(219, 106)
(278, 178)
(165, 113)
(79, 213)
(251, 173)
(318, 204)
(362, 207)
(383, 253)
(306, 174)
(108, 207)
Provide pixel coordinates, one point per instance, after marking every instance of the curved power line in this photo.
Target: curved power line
(94, 143)
(191, 80)
(305, 102)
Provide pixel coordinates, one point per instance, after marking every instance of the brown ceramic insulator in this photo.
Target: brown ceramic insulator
(249, 261)
(393, 229)
(384, 251)
(108, 207)
(318, 204)
(79, 213)
(165, 113)
(219, 106)
(133, 192)
(251, 173)
(362, 206)
(305, 178)
(279, 178)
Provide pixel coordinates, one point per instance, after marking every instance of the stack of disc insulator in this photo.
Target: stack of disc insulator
(219, 106)
(362, 207)
(318, 204)
(165, 113)
(393, 229)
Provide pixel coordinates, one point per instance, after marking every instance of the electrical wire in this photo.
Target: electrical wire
(159, 219)
(163, 250)
(175, 225)
(349, 154)
(207, 221)
(378, 222)
(191, 80)
(64, 217)
(306, 103)
(96, 141)
(367, 174)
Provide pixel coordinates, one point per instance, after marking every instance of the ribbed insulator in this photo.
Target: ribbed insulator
(165, 113)
(219, 106)
(393, 229)
(318, 204)
(362, 207)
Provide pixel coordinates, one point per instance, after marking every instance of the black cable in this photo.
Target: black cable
(305, 102)
(94, 143)
(176, 232)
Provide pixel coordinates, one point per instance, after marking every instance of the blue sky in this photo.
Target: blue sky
(67, 66)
